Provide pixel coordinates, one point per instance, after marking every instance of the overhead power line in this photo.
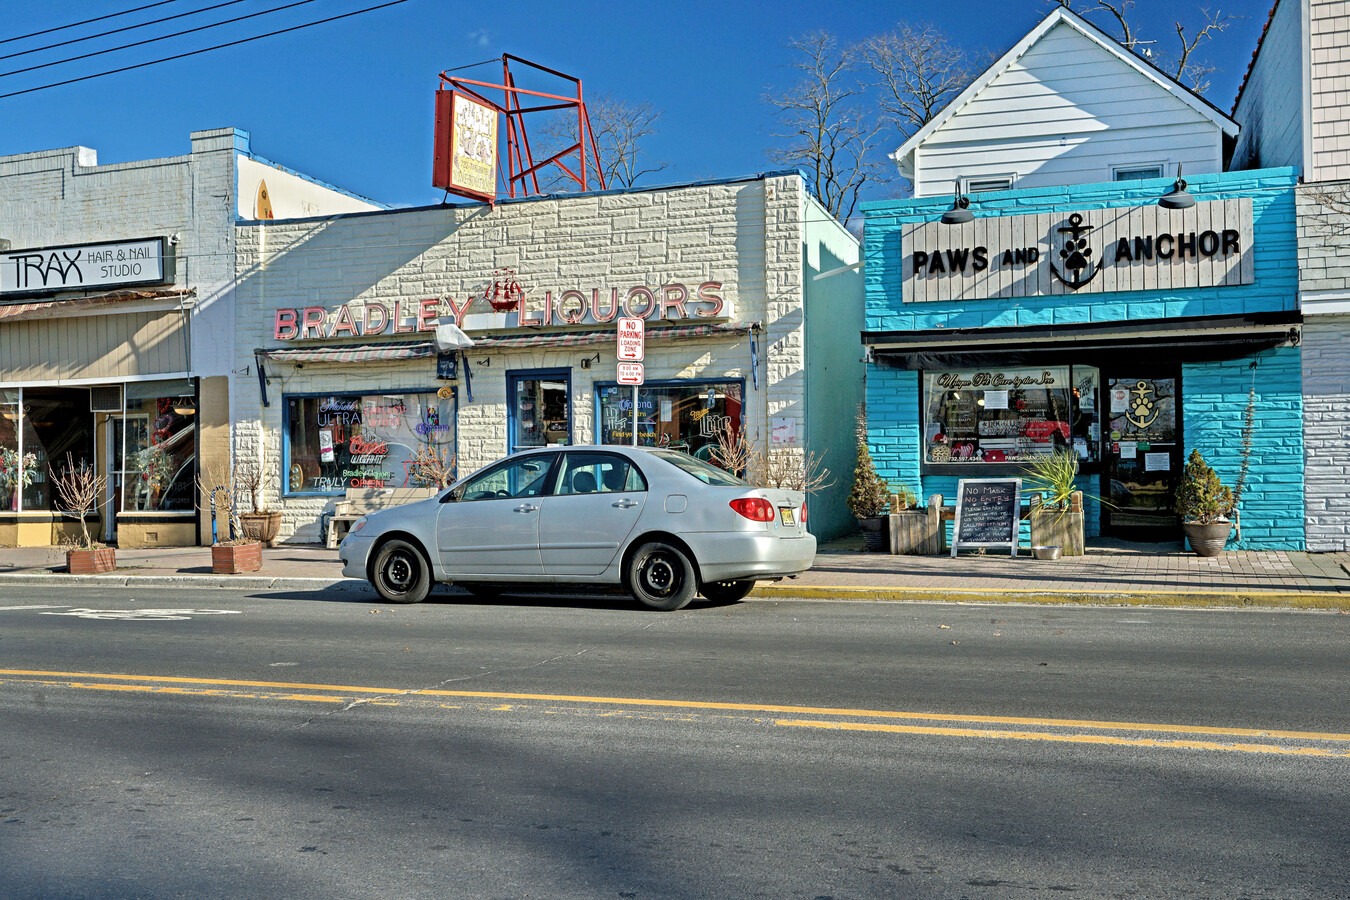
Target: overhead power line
(24, 37)
(203, 50)
(90, 37)
(154, 40)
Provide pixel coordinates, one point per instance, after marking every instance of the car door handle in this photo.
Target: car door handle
(625, 503)
(525, 508)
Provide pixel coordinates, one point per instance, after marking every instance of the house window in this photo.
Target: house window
(1136, 173)
(1010, 415)
(989, 183)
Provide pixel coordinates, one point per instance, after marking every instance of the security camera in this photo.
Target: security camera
(173, 241)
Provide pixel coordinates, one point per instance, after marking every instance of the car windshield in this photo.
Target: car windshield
(704, 472)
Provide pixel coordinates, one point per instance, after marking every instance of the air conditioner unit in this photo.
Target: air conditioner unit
(105, 399)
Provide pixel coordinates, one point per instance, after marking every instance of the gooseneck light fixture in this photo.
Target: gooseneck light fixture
(1178, 197)
(960, 212)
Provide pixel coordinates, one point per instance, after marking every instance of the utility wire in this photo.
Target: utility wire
(203, 50)
(24, 37)
(154, 39)
(191, 12)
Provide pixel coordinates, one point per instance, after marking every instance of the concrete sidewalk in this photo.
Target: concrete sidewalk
(1111, 573)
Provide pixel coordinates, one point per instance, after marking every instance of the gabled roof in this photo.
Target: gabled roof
(1062, 15)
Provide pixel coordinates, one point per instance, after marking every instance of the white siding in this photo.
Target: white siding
(1066, 112)
(1268, 109)
(1329, 28)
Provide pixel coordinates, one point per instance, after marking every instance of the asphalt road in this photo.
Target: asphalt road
(219, 743)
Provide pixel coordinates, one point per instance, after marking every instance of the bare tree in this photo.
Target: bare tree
(824, 126)
(80, 490)
(919, 72)
(433, 468)
(619, 128)
(1182, 66)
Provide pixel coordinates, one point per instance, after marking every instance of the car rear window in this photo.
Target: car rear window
(704, 472)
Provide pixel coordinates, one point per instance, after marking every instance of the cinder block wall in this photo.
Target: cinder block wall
(1326, 431)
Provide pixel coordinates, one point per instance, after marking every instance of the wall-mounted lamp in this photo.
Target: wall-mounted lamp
(1178, 197)
(586, 363)
(960, 212)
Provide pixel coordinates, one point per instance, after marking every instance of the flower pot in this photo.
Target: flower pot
(94, 561)
(261, 526)
(231, 559)
(1063, 528)
(876, 533)
(1207, 540)
(916, 532)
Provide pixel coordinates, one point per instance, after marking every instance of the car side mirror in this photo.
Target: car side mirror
(450, 496)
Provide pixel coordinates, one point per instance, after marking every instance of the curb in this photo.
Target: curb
(1325, 600)
(235, 582)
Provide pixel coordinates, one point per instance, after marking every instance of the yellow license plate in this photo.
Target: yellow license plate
(787, 517)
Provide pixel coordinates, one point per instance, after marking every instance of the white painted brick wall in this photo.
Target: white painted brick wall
(1326, 432)
(747, 235)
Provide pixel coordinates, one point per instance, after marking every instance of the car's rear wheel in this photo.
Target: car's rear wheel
(401, 574)
(662, 577)
(727, 591)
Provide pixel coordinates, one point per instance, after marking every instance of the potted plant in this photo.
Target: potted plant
(870, 498)
(79, 489)
(914, 530)
(261, 524)
(1057, 519)
(1205, 506)
(232, 551)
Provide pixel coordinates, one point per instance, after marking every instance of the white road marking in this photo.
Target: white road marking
(34, 606)
(150, 615)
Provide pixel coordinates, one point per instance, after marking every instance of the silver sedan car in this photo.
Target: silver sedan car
(660, 523)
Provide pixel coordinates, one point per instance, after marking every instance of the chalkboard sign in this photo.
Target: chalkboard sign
(988, 513)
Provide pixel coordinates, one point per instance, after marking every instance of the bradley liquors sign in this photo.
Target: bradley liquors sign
(78, 267)
(1144, 248)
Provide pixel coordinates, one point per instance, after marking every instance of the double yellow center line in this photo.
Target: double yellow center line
(1073, 731)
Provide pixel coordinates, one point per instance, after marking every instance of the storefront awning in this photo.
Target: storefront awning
(1191, 339)
(348, 353)
(46, 309)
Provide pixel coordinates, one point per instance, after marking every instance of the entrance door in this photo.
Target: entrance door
(539, 410)
(124, 481)
(1143, 453)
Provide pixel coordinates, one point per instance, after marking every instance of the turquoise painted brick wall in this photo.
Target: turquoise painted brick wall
(1275, 246)
(1214, 399)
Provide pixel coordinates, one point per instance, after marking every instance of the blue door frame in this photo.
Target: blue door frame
(513, 378)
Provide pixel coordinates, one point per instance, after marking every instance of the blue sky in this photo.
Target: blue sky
(350, 102)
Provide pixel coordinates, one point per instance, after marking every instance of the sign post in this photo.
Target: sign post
(630, 353)
(988, 513)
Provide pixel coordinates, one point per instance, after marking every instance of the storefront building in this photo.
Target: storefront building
(339, 317)
(1091, 319)
(116, 332)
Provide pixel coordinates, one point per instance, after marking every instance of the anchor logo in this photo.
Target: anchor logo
(1075, 255)
(1143, 407)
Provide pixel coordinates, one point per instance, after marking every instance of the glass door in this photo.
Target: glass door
(1142, 454)
(125, 441)
(540, 408)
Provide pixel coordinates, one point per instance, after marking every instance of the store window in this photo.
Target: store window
(340, 441)
(541, 408)
(154, 447)
(38, 427)
(681, 415)
(13, 472)
(1011, 415)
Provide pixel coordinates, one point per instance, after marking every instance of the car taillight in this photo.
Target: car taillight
(756, 509)
(803, 512)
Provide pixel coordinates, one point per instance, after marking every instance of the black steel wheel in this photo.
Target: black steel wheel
(727, 591)
(662, 577)
(401, 574)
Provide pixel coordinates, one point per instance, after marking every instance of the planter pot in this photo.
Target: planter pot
(1207, 540)
(261, 526)
(876, 534)
(1058, 528)
(91, 562)
(916, 532)
(236, 558)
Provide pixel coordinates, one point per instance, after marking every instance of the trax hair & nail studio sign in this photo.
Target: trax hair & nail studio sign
(597, 306)
(78, 267)
(1142, 248)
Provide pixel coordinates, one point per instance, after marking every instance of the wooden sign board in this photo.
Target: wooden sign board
(988, 513)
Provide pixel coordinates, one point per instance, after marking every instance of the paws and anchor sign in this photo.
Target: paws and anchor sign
(1075, 255)
(1143, 405)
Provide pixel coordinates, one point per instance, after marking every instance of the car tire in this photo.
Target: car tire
(727, 591)
(401, 573)
(660, 576)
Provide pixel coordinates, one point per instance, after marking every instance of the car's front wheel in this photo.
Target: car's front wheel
(401, 574)
(662, 577)
(727, 591)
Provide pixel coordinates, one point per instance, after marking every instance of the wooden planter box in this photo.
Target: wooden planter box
(261, 526)
(91, 562)
(917, 532)
(237, 558)
(1058, 528)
